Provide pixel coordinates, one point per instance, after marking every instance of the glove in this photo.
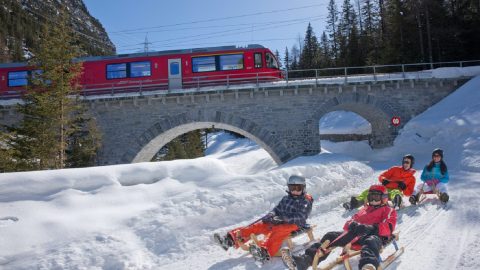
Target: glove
(268, 218)
(385, 182)
(352, 226)
(363, 229)
(402, 186)
(277, 220)
(432, 182)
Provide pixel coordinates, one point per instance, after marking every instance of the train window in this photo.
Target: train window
(174, 68)
(231, 61)
(140, 69)
(116, 71)
(271, 61)
(258, 60)
(18, 78)
(203, 64)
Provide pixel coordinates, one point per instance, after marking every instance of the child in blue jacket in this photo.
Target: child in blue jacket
(434, 174)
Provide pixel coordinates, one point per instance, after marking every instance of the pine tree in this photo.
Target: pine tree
(50, 107)
(7, 152)
(194, 145)
(286, 59)
(332, 23)
(347, 34)
(277, 55)
(84, 141)
(326, 55)
(370, 37)
(310, 50)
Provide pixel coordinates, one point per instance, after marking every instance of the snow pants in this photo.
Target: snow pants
(370, 252)
(391, 194)
(274, 234)
(442, 187)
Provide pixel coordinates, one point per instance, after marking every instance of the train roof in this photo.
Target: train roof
(157, 53)
(168, 52)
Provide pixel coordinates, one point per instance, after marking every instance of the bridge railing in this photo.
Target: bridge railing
(371, 73)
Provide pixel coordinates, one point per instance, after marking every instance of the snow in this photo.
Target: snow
(162, 215)
(343, 122)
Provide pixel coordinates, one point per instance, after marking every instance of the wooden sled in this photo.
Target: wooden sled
(422, 195)
(350, 251)
(289, 240)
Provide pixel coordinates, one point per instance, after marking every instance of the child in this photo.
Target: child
(435, 174)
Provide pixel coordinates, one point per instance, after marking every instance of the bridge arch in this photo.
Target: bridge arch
(377, 112)
(170, 127)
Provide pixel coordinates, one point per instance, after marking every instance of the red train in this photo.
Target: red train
(173, 69)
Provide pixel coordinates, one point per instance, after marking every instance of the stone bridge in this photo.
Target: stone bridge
(284, 120)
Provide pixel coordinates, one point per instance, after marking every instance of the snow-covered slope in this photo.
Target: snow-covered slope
(162, 215)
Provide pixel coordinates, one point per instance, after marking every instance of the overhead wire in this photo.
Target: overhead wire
(224, 33)
(219, 19)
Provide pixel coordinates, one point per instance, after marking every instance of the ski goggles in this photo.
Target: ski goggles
(376, 196)
(295, 187)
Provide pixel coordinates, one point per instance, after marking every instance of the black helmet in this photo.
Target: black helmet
(411, 157)
(438, 151)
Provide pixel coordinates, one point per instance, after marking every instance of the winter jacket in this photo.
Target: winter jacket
(434, 174)
(384, 217)
(398, 174)
(294, 210)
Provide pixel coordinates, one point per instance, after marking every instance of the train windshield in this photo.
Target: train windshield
(271, 61)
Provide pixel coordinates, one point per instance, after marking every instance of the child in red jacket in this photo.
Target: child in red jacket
(371, 227)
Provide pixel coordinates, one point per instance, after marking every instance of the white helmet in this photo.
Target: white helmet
(296, 180)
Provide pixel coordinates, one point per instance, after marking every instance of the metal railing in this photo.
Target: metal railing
(372, 73)
(339, 75)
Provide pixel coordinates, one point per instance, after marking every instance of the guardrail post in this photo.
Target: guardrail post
(345, 69)
(403, 71)
(141, 84)
(113, 90)
(316, 77)
(286, 75)
(257, 79)
(374, 74)
(461, 64)
(228, 81)
(198, 83)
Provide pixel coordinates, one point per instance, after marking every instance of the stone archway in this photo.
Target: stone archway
(377, 113)
(168, 128)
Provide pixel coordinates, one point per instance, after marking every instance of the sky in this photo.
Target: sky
(186, 24)
(162, 215)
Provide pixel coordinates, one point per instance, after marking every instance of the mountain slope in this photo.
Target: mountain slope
(21, 22)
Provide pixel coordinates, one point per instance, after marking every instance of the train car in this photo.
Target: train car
(174, 69)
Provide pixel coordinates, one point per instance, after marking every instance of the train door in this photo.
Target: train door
(174, 73)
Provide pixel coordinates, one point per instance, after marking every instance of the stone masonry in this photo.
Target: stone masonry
(282, 120)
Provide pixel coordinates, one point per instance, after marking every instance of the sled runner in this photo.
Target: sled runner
(352, 250)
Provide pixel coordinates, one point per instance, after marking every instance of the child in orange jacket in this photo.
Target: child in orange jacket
(399, 180)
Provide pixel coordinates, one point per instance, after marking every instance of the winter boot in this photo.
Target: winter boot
(287, 259)
(444, 197)
(225, 242)
(354, 203)
(303, 262)
(397, 201)
(413, 199)
(259, 254)
(369, 266)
